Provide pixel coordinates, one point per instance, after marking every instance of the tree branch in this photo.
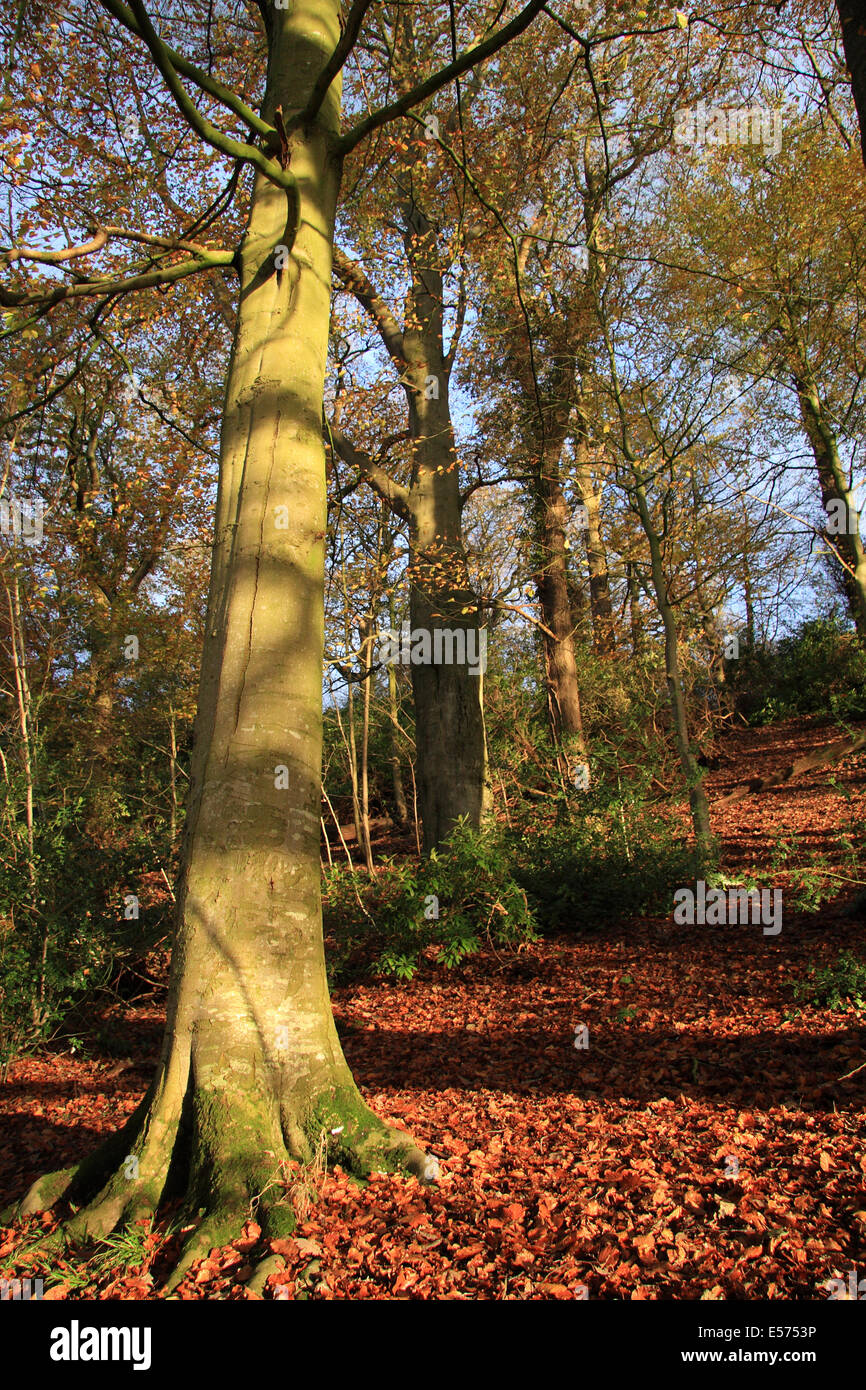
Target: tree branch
(236, 149)
(353, 278)
(143, 281)
(830, 753)
(460, 318)
(391, 492)
(68, 253)
(467, 60)
(203, 80)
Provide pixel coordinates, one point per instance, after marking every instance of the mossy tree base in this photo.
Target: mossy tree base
(229, 1160)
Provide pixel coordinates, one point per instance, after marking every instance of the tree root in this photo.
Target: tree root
(228, 1157)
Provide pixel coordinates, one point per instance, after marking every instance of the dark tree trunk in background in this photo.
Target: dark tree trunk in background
(852, 17)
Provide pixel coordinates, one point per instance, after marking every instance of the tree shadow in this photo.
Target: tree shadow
(763, 1069)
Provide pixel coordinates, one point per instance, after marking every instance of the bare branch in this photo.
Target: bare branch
(476, 54)
(353, 278)
(391, 492)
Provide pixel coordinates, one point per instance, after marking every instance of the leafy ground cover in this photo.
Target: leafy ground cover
(707, 1143)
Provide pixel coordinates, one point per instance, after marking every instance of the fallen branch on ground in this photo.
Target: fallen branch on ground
(830, 753)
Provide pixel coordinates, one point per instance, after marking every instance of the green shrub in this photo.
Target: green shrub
(819, 669)
(835, 986)
(618, 858)
(63, 934)
(445, 905)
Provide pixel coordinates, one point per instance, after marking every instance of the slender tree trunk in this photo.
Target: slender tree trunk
(23, 698)
(366, 658)
(172, 729)
(748, 599)
(551, 513)
(710, 623)
(352, 755)
(349, 738)
(600, 604)
(634, 613)
(401, 810)
(252, 1072)
(698, 802)
(548, 414)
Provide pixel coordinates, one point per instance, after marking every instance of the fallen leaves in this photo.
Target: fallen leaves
(608, 1170)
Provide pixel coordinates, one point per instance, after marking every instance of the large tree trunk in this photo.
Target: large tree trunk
(853, 22)
(834, 489)
(252, 1073)
(449, 718)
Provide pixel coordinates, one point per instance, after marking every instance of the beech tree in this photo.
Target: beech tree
(788, 308)
(251, 1073)
(420, 205)
(541, 283)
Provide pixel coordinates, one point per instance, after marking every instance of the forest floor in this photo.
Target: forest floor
(707, 1144)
